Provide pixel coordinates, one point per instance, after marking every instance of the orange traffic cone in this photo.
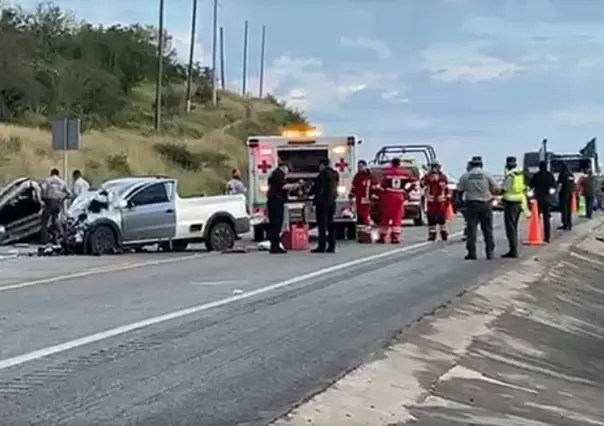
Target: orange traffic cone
(574, 204)
(535, 236)
(450, 213)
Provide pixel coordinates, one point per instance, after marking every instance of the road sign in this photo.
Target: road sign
(66, 134)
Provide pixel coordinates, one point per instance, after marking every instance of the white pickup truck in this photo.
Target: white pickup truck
(140, 211)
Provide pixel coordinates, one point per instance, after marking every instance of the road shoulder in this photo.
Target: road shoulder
(524, 348)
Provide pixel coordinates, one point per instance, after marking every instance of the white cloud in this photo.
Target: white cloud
(306, 84)
(181, 42)
(465, 63)
(378, 46)
(580, 116)
(394, 96)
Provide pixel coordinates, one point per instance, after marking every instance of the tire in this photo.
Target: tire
(351, 232)
(102, 240)
(340, 231)
(221, 236)
(259, 233)
(421, 219)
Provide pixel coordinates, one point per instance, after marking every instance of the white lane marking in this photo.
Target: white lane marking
(113, 332)
(101, 270)
(218, 283)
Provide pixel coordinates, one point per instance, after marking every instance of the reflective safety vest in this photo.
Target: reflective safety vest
(517, 191)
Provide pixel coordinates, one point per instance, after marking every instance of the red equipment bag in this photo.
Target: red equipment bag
(296, 237)
(365, 234)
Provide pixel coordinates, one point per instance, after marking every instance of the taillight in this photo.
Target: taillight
(253, 143)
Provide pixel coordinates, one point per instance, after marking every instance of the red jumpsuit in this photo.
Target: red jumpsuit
(363, 188)
(392, 203)
(437, 198)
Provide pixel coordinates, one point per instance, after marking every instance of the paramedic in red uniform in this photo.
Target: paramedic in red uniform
(392, 201)
(436, 190)
(363, 188)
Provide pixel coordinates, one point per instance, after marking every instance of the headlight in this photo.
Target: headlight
(2, 230)
(530, 193)
(552, 191)
(341, 190)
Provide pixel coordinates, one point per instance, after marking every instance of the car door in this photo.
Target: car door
(151, 214)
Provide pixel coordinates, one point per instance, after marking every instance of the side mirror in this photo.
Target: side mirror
(123, 204)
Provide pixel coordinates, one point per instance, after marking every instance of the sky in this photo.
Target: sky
(469, 77)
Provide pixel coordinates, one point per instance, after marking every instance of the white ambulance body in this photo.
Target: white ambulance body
(301, 151)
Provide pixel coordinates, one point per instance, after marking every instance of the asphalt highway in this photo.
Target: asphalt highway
(207, 339)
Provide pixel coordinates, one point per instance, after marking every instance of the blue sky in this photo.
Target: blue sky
(470, 77)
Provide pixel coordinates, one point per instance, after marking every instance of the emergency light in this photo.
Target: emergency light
(341, 150)
(301, 142)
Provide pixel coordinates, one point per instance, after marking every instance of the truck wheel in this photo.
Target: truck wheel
(420, 220)
(259, 233)
(351, 232)
(340, 231)
(221, 236)
(102, 240)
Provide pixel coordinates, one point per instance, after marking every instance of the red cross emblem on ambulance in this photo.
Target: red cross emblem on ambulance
(342, 165)
(264, 167)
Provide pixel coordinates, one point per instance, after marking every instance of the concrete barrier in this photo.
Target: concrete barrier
(525, 348)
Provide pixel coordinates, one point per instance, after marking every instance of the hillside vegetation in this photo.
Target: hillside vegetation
(52, 66)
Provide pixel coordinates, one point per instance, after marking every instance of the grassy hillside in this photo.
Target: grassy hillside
(105, 77)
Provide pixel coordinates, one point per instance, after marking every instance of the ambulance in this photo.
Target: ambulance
(301, 150)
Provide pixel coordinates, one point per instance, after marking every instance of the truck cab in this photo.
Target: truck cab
(301, 150)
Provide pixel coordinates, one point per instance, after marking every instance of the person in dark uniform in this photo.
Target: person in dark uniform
(477, 186)
(543, 184)
(566, 188)
(276, 198)
(588, 191)
(325, 192)
(462, 206)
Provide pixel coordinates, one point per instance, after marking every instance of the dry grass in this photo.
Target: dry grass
(27, 151)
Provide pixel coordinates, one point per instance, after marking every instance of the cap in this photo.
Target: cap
(511, 160)
(362, 163)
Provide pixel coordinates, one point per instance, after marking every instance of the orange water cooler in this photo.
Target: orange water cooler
(295, 235)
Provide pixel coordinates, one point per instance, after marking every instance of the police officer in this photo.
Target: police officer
(566, 188)
(276, 198)
(588, 191)
(325, 192)
(543, 184)
(514, 196)
(477, 186)
(462, 206)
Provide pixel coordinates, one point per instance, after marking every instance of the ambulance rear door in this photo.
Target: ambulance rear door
(262, 151)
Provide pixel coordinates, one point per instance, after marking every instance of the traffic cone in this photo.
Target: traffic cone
(535, 236)
(574, 204)
(450, 213)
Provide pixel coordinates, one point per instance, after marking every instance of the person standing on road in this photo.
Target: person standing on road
(461, 202)
(276, 198)
(514, 197)
(325, 192)
(362, 192)
(543, 184)
(79, 184)
(54, 193)
(566, 189)
(392, 201)
(477, 186)
(587, 188)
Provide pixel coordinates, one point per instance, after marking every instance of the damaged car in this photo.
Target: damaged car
(139, 211)
(20, 211)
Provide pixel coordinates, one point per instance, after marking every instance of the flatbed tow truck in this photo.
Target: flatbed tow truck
(301, 149)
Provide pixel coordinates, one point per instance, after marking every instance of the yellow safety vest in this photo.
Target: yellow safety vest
(517, 192)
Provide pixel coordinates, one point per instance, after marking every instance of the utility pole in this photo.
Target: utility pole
(191, 54)
(222, 70)
(160, 66)
(244, 77)
(214, 43)
(262, 53)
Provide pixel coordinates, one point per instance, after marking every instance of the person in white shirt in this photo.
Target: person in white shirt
(54, 192)
(79, 185)
(235, 185)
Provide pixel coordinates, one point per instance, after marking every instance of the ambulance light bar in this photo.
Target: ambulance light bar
(253, 143)
(309, 133)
